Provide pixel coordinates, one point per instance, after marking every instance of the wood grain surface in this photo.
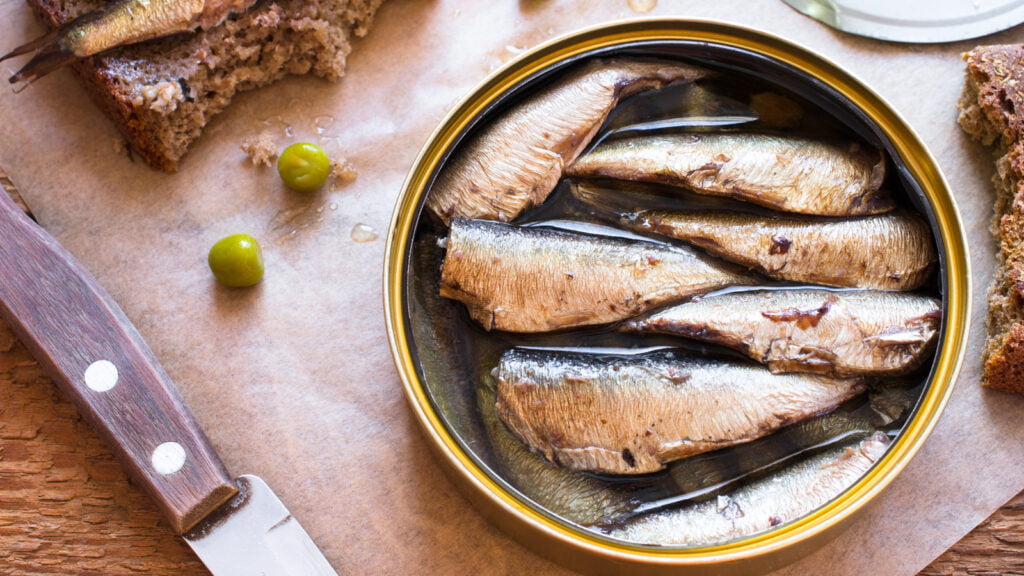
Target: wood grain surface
(67, 506)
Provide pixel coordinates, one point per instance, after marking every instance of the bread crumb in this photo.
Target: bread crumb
(162, 97)
(260, 148)
(121, 147)
(343, 170)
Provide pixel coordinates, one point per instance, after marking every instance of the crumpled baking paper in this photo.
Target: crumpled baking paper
(293, 380)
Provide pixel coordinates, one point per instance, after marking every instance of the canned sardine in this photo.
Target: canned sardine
(674, 294)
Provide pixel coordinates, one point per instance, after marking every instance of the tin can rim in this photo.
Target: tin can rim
(503, 507)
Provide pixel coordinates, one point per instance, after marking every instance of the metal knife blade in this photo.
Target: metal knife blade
(916, 21)
(90, 349)
(255, 534)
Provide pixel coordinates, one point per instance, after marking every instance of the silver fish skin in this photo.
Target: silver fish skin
(788, 174)
(891, 251)
(832, 332)
(632, 414)
(784, 496)
(536, 279)
(516, 161)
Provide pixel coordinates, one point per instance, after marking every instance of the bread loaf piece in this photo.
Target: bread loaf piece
(162, 93)
(992, 111)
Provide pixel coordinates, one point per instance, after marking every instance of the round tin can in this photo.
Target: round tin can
(439, 388)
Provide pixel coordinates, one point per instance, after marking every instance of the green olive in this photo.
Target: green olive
(237, 260)
(304, 166)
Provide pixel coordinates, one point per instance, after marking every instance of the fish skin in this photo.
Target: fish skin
(516, 161)
(533, 279)
(784, 496)
(633, 414)
(789, 174)
(831, 332)
(891, 251)
(130, 21)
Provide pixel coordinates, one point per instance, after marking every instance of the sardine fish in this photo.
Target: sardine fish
(515, 162)
(788, 174)
(834, 332)
(631, 414)
(537, 279)
(783, 496)
(891, 251)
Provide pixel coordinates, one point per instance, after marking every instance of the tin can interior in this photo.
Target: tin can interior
(454, 356)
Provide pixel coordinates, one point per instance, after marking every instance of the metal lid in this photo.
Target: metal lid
(921, 21)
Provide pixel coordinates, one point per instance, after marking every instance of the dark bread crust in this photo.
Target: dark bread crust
(997, 80)
(161, 94)
(1005, 365)
(992, 111)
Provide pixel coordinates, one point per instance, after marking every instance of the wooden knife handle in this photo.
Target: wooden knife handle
(92, 351)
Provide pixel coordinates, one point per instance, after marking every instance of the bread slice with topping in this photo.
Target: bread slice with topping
(992, 111)
(162, 93)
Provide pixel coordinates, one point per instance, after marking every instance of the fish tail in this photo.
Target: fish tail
(53, 49)
(30, 46)
(49, 56)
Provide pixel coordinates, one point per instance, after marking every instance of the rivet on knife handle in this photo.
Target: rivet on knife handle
(90, 349)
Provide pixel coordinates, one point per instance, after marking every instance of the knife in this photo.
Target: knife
(87, 345)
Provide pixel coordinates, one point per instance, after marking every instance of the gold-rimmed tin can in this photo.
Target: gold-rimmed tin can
(728, 47)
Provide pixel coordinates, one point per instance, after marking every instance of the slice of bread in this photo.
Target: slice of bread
(162, 93)
(992, 111)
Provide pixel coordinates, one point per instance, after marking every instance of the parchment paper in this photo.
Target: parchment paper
(293, 380)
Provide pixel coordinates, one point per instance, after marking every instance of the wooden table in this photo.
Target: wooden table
(66, 506)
